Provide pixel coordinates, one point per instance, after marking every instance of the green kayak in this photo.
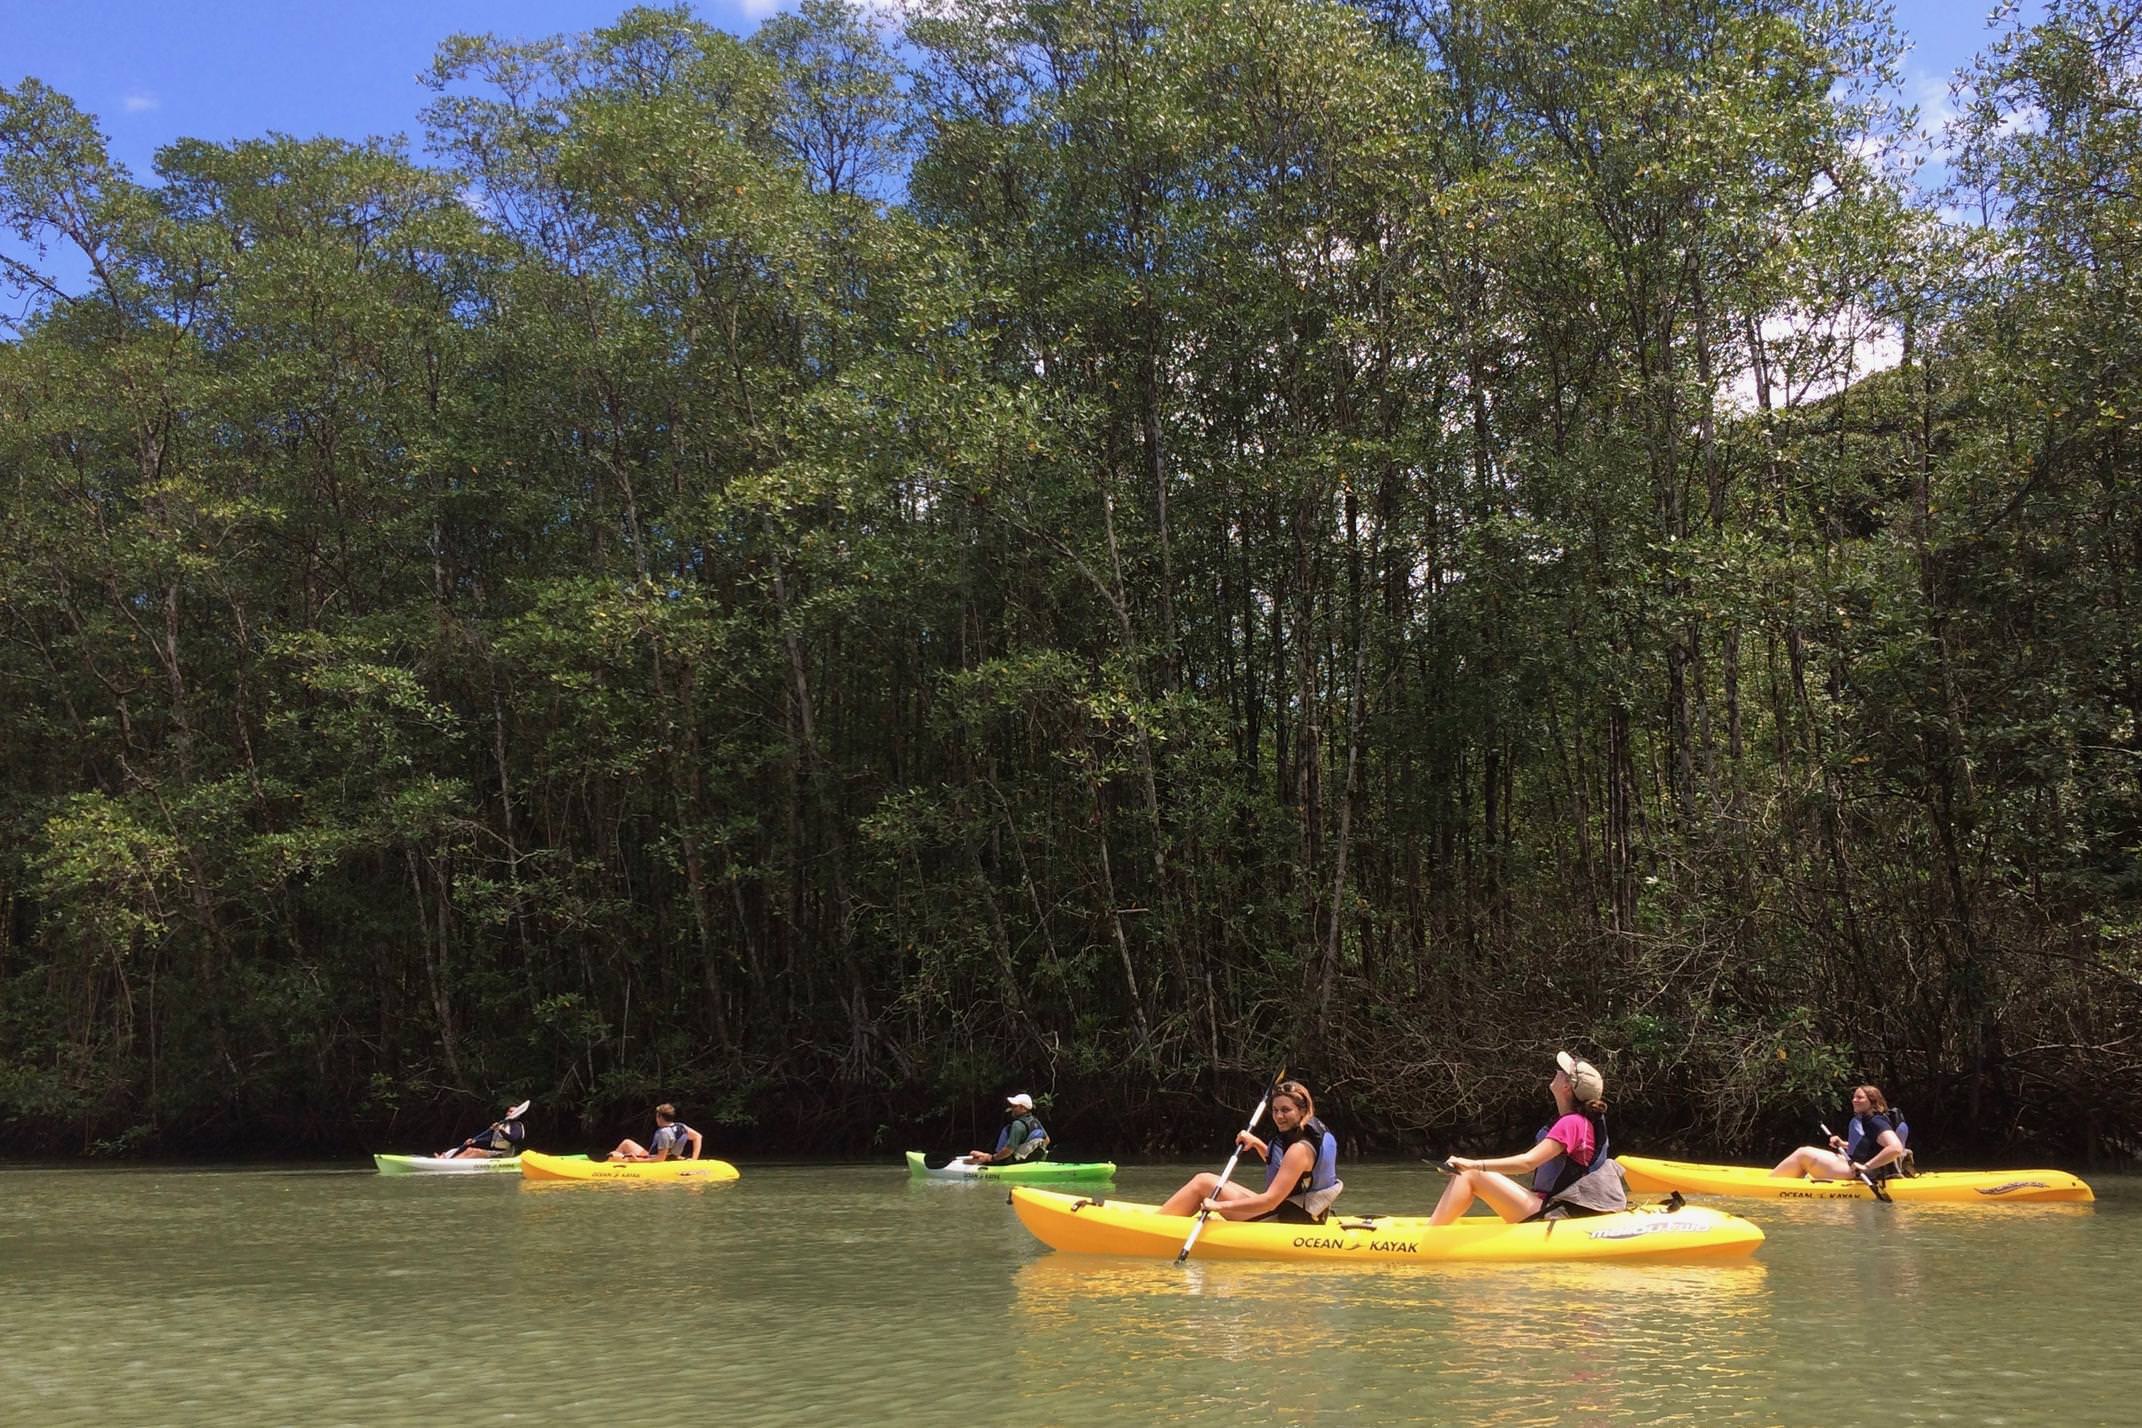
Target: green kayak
(439, 1165)
(1028, 1172)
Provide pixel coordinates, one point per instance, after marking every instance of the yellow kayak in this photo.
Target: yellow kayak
(1955, 1187)
(1087, 1226)
(537, 1166)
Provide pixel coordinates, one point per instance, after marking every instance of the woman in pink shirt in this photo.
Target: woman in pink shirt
(1571, 1169)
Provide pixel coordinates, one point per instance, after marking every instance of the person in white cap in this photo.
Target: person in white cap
(1572, 1169)
(501, 1138)
(1022, 1137)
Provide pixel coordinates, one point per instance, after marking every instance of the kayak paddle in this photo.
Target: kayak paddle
(1250, 1129)
(1864, 1178)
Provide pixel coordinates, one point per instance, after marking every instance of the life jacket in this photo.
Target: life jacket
(1856, 1129)
(1864, 1143)
(1025, 1136)
(671, 1138)
(1320, 1185)
(506, 1138)
(1562, 1172)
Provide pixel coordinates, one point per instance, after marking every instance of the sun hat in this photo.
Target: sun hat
(1585, 1082)
(1022, 1100)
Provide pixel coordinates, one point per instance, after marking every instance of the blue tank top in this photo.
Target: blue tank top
(1322, 1175)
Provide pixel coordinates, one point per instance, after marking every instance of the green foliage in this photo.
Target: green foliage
(821, 575)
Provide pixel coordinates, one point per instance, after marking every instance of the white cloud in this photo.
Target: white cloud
(758, 9)
(1936, 105)
(1809, 357)
(140, 103)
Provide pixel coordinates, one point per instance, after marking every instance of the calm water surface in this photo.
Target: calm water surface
(848, 1294)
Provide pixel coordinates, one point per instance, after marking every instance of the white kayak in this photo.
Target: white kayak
(457, 1165)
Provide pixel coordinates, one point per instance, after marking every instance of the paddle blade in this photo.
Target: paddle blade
(1194, 1231)
(939, 1162)
(518, 1111)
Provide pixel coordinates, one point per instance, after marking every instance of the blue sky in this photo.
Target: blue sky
(226, 69)
(230, 69)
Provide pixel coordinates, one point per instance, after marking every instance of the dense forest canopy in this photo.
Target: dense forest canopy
(1094, 547)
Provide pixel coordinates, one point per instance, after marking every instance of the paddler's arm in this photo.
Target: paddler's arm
(696, 1139)
(1249, 1142)
(1532, 1159)
(1297, 1162)
(1891, 1149)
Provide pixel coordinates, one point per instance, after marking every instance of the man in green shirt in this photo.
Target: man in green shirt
(1022, 1137)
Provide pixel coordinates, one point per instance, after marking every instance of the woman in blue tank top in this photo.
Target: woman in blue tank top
(1301, 1169)
(1874, 1152)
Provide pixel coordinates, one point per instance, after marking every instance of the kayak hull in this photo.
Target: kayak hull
(1032, 1172)
(537, 1166)
(1085, 1226)
(439, 1165)
(1952, 1187)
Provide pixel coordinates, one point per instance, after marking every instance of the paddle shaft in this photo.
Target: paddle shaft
(1229, 1169)
(482, 1134)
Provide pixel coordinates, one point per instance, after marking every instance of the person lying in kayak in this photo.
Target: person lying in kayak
(1301, 1169)
(502, 1137)
(1022, 1137)
(672, 1140)
(1571, 1167)
(1874, 1149)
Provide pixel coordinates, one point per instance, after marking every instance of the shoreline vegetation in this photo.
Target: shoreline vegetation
(1089, 547)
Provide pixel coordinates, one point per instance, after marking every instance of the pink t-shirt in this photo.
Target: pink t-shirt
(1574, 1133)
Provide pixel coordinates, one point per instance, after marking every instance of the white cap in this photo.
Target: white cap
(1585, 1082)
(1022, 1100)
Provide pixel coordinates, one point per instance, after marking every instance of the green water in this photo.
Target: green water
(849, 1294)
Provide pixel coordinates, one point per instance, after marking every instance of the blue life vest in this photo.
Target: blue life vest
(1864, 1134)
(1856, 1131)
(670, 1138)
(1322, 1175)
(1562, 1172)
(1017, 1138)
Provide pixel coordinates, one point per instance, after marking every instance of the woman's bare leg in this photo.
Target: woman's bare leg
(1507, 1198)
(1816, 1163)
